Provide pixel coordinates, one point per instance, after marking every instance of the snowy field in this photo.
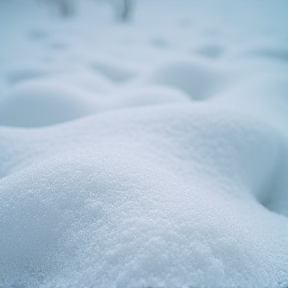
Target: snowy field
(152, 153)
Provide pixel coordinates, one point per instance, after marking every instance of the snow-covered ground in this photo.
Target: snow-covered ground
(152, 153)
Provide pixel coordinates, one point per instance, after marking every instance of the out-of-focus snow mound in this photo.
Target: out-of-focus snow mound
(147, 155)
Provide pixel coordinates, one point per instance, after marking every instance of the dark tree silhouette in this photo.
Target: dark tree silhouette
(64, 8)
(123, 9)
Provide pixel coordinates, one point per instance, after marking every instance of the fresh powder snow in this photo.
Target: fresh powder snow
(146, 147)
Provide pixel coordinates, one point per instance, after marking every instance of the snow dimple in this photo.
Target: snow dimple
(275, 191)
(270, 53)
(25, 74)
(210, 51)
(38, 34)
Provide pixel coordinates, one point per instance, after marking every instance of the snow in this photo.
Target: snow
(152, 153)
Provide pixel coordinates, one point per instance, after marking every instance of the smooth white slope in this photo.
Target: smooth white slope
(122, 200)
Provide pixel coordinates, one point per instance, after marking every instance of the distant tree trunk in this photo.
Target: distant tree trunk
(123, 9)
(64, 8)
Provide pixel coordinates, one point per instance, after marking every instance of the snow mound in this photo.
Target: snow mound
(199, 80)
(142, 208)
(149, 95)
(39, 104)
(85, 79)
(52, 101)
(112, 72)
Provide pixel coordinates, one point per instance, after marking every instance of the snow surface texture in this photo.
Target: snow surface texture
(152, 154)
